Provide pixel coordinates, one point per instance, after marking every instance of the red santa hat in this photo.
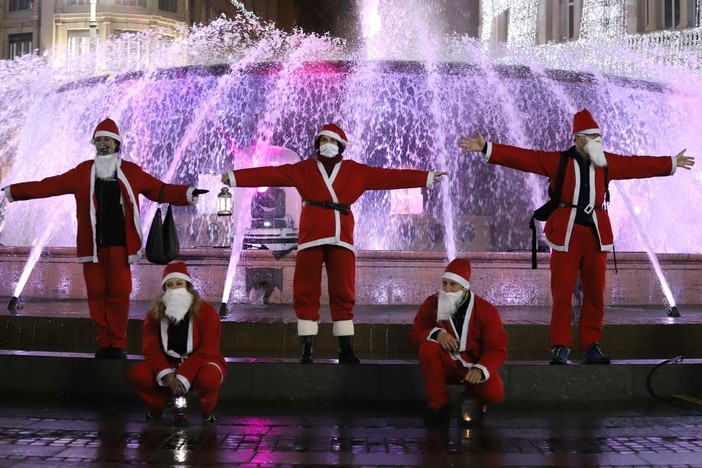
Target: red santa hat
(334, 131)
(459, 271)
(175, 270)
(107, 128)
(584, 124)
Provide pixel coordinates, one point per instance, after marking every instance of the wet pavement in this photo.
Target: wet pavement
(78, 434)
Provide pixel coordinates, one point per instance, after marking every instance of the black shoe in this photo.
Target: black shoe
(307, 349)
(346, 354)
(209, 418)
(593, 355)
(103, 352)
(160, 414)
(559, 355)
(472, 411)
(437, 416)
(117, 353)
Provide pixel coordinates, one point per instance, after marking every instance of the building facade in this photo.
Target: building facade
(28, 26)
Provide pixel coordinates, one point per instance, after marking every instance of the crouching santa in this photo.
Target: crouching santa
(460, 340)
(180, 343)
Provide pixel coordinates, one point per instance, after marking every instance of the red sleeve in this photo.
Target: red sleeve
(285, 175)
(150, 187)
(493, 337)
(424, 322)
(151, 346)
(638, 167)
(378, 178)
(209, 332)
(62, 184)
(544, 163)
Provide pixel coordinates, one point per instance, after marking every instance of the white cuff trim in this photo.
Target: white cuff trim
(307, 327)
(488, 152)
(343, 328)
(162, 374)
(232, 179)
(486, 374)
(675, 165)
(430, 179)
(189, 194)
(8, 195)
(184, 381)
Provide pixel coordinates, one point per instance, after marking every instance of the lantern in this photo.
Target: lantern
(224, 202)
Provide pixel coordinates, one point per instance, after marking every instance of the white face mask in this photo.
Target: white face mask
(448, 303)
(177, 302)
(328, 150)
(594, 149)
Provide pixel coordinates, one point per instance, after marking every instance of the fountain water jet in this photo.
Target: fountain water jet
(277, 89)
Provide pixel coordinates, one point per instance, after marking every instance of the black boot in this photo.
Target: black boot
(307, 348)
(346, 354)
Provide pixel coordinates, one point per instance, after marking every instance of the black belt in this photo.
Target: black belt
(587, 209)
(341, 208)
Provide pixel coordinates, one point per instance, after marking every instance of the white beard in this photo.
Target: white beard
(448, 303)
(177, 302)
(594, 149)
(106, 166)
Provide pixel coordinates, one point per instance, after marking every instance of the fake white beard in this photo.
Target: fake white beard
(594, 150)
(177, 302)
(448, 303)
(328, 150)
(106, 166)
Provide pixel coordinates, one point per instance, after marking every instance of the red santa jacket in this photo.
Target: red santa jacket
(348, 181)
(203, 346)
(80, 182)
(482, 340)
(559, 225)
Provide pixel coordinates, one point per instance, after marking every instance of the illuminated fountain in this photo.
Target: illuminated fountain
(230, 93)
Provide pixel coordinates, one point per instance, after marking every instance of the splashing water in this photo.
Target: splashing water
(188, 107)
(649, 251)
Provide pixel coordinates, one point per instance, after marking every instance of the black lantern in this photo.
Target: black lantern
(224, 202)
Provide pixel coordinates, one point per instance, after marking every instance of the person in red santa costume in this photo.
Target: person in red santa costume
(109, 234)
(180, 342)
(579, 230)
(329, 185)
(460, 340)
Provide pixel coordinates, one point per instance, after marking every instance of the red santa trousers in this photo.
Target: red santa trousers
(439, 369)
(109, 284)
(307, 282)
(208, 380)
(584, 256)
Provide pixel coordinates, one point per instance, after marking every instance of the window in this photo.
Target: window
(79, 2)
(571, 19)
(137, 3)
(20, 44)
(168, 5)
(78, 42)
(671, 14)
(19, 5)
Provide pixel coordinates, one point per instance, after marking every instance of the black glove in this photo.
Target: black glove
(198, 192)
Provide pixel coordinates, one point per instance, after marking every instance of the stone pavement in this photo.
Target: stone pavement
(48, 433)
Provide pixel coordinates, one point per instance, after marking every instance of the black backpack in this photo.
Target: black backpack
(543, 212)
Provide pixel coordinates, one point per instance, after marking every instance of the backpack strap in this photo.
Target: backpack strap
(554, 200)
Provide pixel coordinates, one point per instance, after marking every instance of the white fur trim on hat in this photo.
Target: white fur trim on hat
(343, 328)
(590, 131)
(114, 136)
(458, 279)
(175, 274)
(333, 135)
